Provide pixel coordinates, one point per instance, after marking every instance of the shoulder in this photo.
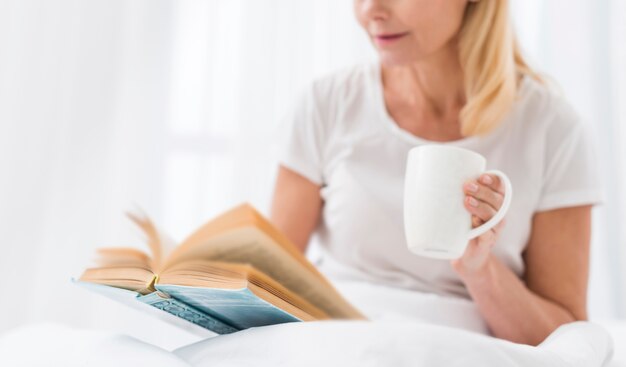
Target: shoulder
(342, 85)
(339, 99)
(554, 129)
(546, 109)
(322, 103)
(343, 78)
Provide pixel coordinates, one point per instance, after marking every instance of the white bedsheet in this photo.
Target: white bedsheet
(617, 329)
(42, 345)
(327, 343)
(408, 328)
(396, 344)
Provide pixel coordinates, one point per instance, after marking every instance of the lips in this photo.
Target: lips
(391, 36)
(388, 38)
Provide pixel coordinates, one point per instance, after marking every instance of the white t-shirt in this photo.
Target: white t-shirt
(339, 135)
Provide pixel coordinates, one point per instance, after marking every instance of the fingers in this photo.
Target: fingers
(479, 208)
(485, 241)
(495, 231)
(484, 194)
(476, 221)
(492, 234)
(493, 182)
(483, 199)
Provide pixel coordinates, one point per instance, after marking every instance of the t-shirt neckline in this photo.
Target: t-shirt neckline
(395, 129)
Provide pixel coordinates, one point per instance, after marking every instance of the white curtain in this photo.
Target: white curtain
(171, 106)
(580, 45)
(84, 97)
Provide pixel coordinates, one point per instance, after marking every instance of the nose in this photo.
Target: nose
(375, 10)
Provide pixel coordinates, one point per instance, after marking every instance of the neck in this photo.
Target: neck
(434, 84)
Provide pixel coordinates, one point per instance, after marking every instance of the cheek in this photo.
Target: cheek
(433, 24)
(433, 33)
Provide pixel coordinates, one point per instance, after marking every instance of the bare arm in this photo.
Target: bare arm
(554, 288)
(296, 206)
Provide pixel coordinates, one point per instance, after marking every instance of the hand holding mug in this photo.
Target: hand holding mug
(484, 197)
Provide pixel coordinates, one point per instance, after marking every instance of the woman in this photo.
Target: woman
(449, 72)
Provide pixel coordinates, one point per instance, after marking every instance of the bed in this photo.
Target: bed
(391, 338)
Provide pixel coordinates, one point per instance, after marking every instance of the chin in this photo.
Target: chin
(395, 58)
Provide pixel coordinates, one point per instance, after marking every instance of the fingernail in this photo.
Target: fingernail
(487, 179)
(472, 187)
(473, 202)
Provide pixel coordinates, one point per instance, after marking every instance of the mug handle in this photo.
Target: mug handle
(508, 194)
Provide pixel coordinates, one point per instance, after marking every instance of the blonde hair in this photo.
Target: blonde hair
(492, 65)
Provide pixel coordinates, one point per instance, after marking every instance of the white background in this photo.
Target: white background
(173, 107)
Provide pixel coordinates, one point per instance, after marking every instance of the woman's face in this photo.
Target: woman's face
(405, 31)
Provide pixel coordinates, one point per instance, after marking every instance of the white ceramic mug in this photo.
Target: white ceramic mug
(436, 223)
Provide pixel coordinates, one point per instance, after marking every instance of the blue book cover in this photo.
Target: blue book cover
(238, 307)
(221, 311)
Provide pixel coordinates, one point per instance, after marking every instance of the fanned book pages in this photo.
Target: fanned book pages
(235, 272)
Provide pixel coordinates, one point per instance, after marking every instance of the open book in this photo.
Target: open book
(235, 272)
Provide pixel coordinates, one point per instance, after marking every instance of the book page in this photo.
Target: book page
(131, 278)
(160, 244)
(234, 275)
(244, 215)
(122, 256)
(251, 245)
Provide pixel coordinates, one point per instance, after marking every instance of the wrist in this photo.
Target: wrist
(477, 275)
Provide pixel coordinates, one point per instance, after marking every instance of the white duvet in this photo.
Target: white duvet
(442, 332)
(328, 343)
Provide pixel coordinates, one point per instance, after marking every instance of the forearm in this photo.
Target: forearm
(511, 310)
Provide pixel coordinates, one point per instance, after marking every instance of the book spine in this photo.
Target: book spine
(180, 309)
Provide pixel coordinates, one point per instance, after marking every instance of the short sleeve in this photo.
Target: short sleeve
(301, 137)
(571, 172)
